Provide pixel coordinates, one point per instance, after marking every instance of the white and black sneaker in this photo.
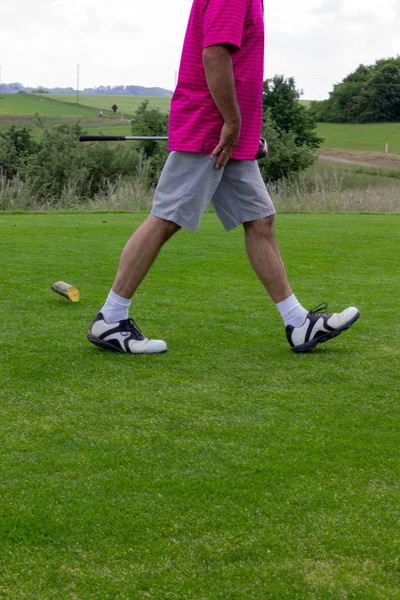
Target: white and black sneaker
(124, 336)
(320, 326)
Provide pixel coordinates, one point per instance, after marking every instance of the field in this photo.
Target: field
(31, 104)
(127, 105)
(305, 103)
(370, 137)
(228, 468)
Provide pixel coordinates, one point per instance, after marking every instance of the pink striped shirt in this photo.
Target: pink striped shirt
(195, 122)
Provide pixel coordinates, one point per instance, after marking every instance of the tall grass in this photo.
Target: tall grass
(333, 190)
(134, 193)
(327, 190)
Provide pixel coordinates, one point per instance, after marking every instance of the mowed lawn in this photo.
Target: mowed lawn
(371, 137)
(127, 105)
(227, 468)
(31, 104)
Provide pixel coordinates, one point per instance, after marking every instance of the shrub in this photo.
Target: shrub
(16, 145)
(63, 162)
(285, 157)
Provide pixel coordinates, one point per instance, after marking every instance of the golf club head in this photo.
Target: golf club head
(262, 149)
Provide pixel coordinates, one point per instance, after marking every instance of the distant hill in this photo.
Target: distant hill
(118, 90)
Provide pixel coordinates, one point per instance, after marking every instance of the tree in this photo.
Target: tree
(370, 94)
(285, 157)
(152, 122)
(289, 129)
(380, 99)
(16, 145)
(281, 98)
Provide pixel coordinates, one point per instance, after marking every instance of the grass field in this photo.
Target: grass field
(228, 468)
(127, 105)
(305, 103)
(371, 137)
(30, 104)
(88, 124)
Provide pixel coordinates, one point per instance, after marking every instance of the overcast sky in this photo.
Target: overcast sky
(139, 42)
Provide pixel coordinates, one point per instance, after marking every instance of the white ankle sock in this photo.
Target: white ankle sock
(116, 308)
(292, 312)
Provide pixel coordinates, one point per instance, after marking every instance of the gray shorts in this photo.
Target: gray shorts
(189, 182)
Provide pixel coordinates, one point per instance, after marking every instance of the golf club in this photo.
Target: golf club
(118, 138)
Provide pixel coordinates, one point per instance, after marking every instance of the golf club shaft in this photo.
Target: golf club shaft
(119, 138)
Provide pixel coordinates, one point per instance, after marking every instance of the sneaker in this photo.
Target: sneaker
(320, 326)
(123, 336)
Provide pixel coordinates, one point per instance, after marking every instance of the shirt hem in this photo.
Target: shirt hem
(199, 150)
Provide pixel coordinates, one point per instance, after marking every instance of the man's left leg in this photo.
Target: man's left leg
(265, 259)
(304, 329)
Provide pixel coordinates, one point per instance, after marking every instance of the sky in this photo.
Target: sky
(132, 42)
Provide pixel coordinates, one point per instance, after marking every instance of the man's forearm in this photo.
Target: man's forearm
(218, 68)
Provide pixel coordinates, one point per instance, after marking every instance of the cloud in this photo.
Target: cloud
(317, 41)
(322, 55)
(329, 7)
(125, 27)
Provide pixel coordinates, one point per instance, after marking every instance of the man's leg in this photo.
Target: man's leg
(304, 329)
(111, 328)
(265, 259)
(140, 253)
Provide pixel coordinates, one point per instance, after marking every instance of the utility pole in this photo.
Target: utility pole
(77, 84)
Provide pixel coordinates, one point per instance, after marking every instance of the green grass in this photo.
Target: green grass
(21, 110)
(352, 176)
(110, 128)
(88, 124)
(228, 468)
(126, 104)
(305, 103)
(370, 137)
(31, 104)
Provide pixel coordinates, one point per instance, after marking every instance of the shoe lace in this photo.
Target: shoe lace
(131, 326)
(320, 309)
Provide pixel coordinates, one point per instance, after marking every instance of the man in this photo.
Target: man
(214, 137)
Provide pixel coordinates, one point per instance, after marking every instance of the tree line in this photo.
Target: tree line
(108, 90)
(370, 94)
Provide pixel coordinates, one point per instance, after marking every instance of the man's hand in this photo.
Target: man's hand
(227, 142)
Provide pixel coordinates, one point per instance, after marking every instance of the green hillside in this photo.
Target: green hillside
(127, 105)
(370, 137)
(30, 104)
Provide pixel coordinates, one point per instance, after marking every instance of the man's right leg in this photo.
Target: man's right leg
(186, 186)
(111, 328)
(140, 253)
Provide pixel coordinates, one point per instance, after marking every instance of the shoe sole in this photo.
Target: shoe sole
(106, 346)
(329, 335)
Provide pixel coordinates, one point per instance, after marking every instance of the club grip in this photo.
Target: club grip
(101, 138)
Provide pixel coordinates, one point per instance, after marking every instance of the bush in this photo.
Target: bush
(63, 161)
(150, 121)
(285, 156)
(289, 129)
(16, 145)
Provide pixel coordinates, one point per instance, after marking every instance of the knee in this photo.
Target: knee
(262, 227)
(167, 228)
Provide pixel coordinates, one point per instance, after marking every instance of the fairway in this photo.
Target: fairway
(30, 104)
(228, 468)
(127, 105)
(370, 137)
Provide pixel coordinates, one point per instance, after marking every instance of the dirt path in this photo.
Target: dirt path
(377, 160)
